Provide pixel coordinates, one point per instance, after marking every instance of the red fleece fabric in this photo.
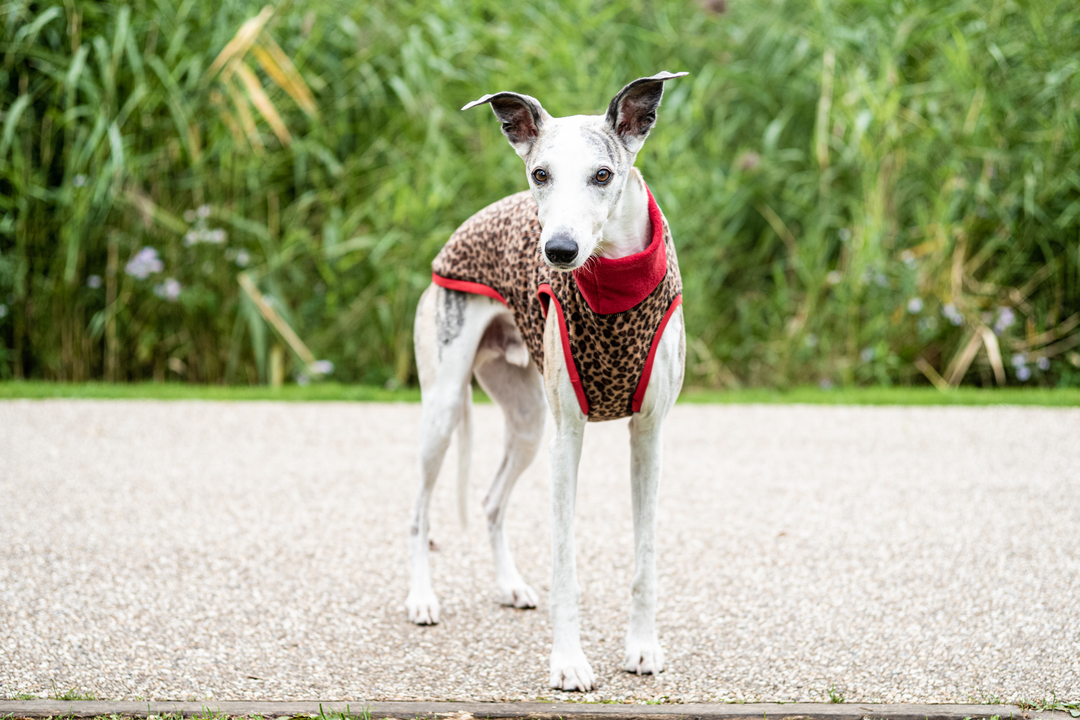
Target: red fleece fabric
(614, 286)
(468, 287)
(646, 373)
(546, 296)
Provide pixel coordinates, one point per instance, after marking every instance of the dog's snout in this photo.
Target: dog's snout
(561, 250)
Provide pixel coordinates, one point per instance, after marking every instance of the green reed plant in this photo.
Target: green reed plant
(861, 191)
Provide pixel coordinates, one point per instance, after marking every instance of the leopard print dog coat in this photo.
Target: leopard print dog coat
(611, 312)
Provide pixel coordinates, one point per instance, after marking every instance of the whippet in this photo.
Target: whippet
(589, 240)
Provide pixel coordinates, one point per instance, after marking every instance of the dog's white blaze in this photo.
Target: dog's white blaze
(596, 217)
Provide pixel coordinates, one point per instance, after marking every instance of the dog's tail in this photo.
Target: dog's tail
(464, 456)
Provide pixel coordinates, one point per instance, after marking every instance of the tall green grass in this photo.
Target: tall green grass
(861, 191)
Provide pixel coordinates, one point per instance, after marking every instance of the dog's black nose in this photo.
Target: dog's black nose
(561, 250)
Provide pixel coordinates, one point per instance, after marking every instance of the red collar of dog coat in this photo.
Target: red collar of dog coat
(616, 285)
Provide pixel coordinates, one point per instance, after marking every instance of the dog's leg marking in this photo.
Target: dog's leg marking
(449, 317)
(519, 392)
(643, 652)
(570, 670)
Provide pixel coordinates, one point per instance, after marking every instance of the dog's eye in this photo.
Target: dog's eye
(603, 175)
(540, 176)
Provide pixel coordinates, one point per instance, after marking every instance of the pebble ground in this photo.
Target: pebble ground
(230, 551)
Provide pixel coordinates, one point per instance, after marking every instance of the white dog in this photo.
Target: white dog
(589, 241)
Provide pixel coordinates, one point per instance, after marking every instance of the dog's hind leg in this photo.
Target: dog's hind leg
(448, 329)
(519, 391)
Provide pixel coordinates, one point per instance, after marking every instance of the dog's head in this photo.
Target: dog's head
(578, 166)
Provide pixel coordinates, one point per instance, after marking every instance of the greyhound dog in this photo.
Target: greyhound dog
(588, 240)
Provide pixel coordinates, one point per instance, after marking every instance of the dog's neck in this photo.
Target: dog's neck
(628, 231)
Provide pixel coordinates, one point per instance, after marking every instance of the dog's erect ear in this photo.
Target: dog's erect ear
(632, 113)
(521, 116)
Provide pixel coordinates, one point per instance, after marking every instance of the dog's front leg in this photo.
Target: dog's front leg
(643, 652)
(569, 668)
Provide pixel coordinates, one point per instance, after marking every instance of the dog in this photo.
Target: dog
(570, 293)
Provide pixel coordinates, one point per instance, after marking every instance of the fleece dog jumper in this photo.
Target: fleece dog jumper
(611, 312)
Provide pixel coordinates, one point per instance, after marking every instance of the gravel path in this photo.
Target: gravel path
(196, 550)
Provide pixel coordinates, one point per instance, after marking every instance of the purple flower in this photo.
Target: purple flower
(322, 367)
(1005, 320)
(144, 264)
(168, 290)
(1023, 373)
(202, 234)
(93, 282)
(954, 315)
(915, 305)
(1043, 363)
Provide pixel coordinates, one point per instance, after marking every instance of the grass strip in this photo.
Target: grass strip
(337, 392)
(320, 392)
(1045, 397)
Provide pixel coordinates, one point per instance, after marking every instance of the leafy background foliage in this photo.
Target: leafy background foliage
(861, 191)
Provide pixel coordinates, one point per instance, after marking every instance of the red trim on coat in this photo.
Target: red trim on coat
(643, 384)
(469, 287)
(571, 368)
(616, 285)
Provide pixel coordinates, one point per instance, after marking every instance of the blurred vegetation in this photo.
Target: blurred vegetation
(861, 191)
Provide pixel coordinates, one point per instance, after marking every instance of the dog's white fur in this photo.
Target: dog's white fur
(612, 221)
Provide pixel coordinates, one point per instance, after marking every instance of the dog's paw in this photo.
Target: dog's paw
(644, 658)
(571, 671)
(423, 608)
(517, 594)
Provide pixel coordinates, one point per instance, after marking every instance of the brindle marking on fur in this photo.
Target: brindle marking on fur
(449, 317)
(599, 138)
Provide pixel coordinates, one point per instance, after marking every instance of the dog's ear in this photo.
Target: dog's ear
(521, 116)
(632, 113)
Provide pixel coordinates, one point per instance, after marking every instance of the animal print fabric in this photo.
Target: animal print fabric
(498, 248)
